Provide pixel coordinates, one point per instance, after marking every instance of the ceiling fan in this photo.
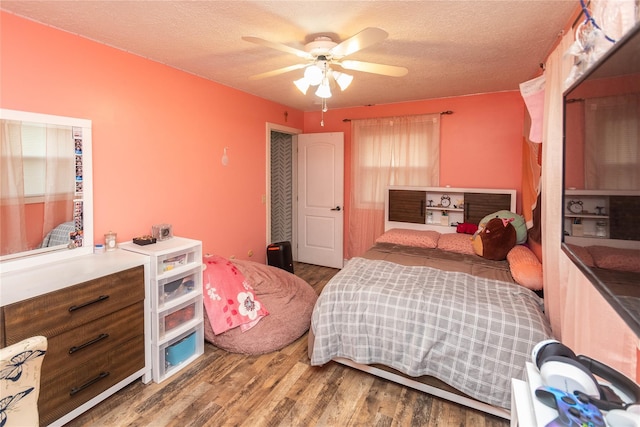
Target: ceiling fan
(322, 54)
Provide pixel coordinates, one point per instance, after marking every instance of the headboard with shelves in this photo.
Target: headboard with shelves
(442, 208)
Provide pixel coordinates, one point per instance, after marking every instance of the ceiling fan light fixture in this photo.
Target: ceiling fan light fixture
(313, 74)
(343, 80)
(302, 85)
(323, 89)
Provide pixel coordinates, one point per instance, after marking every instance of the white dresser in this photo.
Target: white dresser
(94, 312)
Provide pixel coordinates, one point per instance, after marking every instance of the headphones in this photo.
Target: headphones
(560, 368)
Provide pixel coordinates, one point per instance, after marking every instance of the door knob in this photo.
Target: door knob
(337, 208)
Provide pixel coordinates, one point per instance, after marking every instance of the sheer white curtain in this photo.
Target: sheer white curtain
(388, 151)
(13, 229)
(59, 184)
(614, 165)
(38, 185)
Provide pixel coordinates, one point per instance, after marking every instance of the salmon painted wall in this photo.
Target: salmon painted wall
(159, 133)
(480, 143)
(158, 136)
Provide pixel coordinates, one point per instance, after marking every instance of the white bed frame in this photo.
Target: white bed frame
(408, 381)
(426, 388)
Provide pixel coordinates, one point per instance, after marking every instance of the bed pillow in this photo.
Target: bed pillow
(525, 267)
(615, 258)
(583, 254)
(415, 238)
(456, 242)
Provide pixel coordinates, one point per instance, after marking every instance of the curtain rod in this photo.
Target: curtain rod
(388, 117)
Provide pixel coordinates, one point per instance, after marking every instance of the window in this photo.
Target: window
(612, 165)
(395, 151)
(34, 164)
(390, 151)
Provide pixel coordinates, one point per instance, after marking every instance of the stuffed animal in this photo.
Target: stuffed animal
(517, 221)
(495, 239)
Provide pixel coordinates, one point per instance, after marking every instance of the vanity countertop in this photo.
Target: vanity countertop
(22, 284)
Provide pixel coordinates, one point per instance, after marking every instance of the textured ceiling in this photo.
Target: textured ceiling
(450, 47)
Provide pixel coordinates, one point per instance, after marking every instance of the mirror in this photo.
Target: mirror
(46, 200)
(601, 206)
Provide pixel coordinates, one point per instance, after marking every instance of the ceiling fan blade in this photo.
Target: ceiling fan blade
(369, 67)
(278, 46)
(278, 71)
(365, 38)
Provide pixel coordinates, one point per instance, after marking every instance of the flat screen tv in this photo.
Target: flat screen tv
(601, 198)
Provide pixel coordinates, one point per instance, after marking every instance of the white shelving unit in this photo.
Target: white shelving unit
(444, 216)
(601, 217)
(586, 214)
(175, 276)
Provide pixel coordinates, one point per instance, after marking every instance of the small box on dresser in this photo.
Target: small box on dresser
(177, 334)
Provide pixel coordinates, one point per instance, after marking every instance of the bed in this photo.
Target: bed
(442, 321)
(60, 235)
(619, 268)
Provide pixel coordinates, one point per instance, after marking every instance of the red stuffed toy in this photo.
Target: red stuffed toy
(466, 228)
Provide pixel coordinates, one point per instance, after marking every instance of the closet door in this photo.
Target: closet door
(479, 205)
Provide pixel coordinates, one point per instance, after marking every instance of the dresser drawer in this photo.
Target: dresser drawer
(78, 346)
(63, 393)
(68, 308)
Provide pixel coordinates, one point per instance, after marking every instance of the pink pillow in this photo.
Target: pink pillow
(456, 242)
(525, 267)
(616, 258)
(416, 238)
(583, 254)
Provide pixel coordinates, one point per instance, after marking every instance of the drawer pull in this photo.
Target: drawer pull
(89, 383)
(88, 343)
(78, 307)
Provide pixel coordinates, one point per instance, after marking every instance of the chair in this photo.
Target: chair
(20, 367)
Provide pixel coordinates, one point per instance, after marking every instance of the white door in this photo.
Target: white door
(320, 198)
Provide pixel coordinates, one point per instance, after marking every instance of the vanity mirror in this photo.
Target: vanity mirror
(46, 199)
(601, 232)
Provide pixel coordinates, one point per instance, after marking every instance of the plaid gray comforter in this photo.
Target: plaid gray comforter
(474, 334)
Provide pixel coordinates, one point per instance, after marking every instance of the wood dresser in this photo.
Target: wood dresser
(94, 313)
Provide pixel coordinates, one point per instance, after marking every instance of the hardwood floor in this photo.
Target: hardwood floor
(277, 389)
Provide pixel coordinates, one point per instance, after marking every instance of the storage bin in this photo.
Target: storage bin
(172, 318)
(177, 353)
(177, 259)
(172, 288)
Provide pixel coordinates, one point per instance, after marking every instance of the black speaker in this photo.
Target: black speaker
(279, 255)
